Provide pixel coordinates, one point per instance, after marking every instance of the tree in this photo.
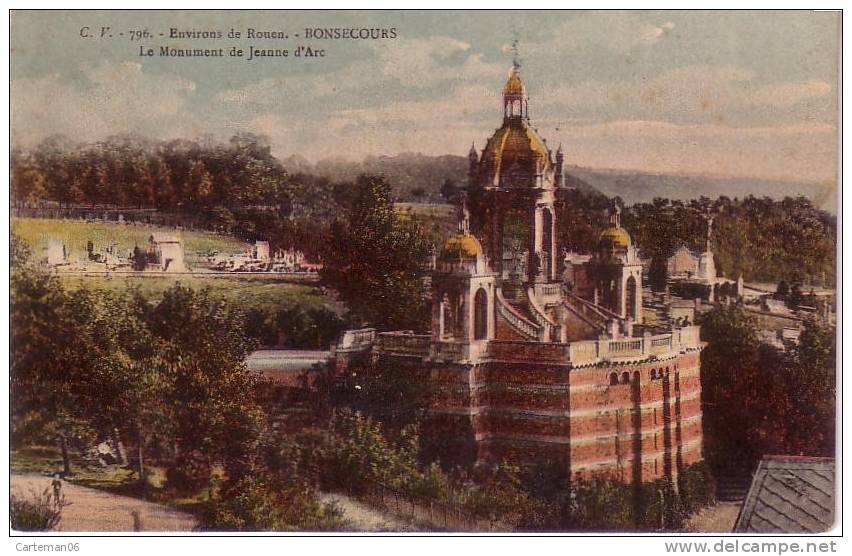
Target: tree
(759, 400)
(375, 259)
(449, 190)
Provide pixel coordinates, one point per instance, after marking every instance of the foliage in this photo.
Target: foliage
(375, 260)
(259, 501)
(165, 374)
(40, 512)
(759, 238)
(780, 402)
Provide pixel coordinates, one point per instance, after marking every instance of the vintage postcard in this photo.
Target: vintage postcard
(424, 272)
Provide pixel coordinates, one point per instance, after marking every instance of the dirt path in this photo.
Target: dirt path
(365, 518)
(719, 518)
(96, 510)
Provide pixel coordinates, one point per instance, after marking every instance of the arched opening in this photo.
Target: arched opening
(630, 299)
(547, 243)
(613, 379)
(447, 321)
(625, 378)
(480, 315)
(515, 244)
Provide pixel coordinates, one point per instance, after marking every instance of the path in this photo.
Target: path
(364, 518)
(96, 510)
(719, 518)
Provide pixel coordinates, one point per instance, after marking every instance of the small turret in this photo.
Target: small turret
(473, 160)
(558, 170)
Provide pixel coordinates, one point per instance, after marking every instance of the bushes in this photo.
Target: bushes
(41, 512)
(261, 501)
(609, 505)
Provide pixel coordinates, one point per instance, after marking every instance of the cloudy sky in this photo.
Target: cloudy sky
(724, 93)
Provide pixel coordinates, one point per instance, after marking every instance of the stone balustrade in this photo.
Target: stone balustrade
(404, 344)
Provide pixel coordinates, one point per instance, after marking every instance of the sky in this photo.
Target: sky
(726, 93)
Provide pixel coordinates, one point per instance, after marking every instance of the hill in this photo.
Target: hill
(417, 177)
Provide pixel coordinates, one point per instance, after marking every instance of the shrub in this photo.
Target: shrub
(190, 472)
(42, 512)
(261, 501)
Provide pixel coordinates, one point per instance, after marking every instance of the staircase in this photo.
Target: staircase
(516, 318)
(732, 488)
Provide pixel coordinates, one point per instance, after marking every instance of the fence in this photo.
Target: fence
(429, 512)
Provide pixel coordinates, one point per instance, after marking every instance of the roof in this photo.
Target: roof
(514, 85)
(789, 494)
(163, 238)
(615, 237)
(460, 246)
(515, 145)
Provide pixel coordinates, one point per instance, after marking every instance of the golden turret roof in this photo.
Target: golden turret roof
(514, 85)
(615, 237)
(460, 246)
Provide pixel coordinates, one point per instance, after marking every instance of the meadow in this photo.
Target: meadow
(272, 293)
(76, 233)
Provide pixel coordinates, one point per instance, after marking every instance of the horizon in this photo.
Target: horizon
(711, 94)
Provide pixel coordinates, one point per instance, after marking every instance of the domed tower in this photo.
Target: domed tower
(617, 270)
(463, 290)
(512, 194)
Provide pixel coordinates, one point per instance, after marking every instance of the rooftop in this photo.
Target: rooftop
(789, 494)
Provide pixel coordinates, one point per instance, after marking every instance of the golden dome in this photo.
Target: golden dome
(514, 85)
(615, 237)
(460, 246)
(516, 144)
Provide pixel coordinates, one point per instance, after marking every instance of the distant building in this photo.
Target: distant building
(165, 253)
(261, 251)
(789, 494)
(57, 254)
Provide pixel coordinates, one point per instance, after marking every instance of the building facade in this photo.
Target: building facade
(524, 367)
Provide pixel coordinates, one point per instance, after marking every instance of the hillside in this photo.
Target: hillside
(638, 187)
(417, 177)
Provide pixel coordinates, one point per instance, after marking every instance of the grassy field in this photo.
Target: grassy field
(273, 293)
(270, 293)
(75, 233)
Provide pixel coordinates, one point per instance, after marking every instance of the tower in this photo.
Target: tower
(617, 270)
(463, 291)
(512, 194)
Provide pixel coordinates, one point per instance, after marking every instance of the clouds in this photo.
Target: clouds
(657, 91)
(100, 100)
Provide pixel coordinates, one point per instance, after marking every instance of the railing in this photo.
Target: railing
(447, 350)
(583, 352)
(586, 311)
(550, 330)
(525, 351)
(516, 320)
(357, 338)
(403, 344)
(422, 510)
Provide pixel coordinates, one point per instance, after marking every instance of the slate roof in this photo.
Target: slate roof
(789, 494)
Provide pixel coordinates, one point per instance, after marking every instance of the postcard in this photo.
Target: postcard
(424, 272)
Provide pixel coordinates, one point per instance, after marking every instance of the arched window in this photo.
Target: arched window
(613, 379)
(447, 321)
(547, 241)
(630, 299)
(480, 315)
(625, 378)
(653, 374)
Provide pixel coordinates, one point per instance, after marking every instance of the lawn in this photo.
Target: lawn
(47, 460)
(76, 233)
(271, 293)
